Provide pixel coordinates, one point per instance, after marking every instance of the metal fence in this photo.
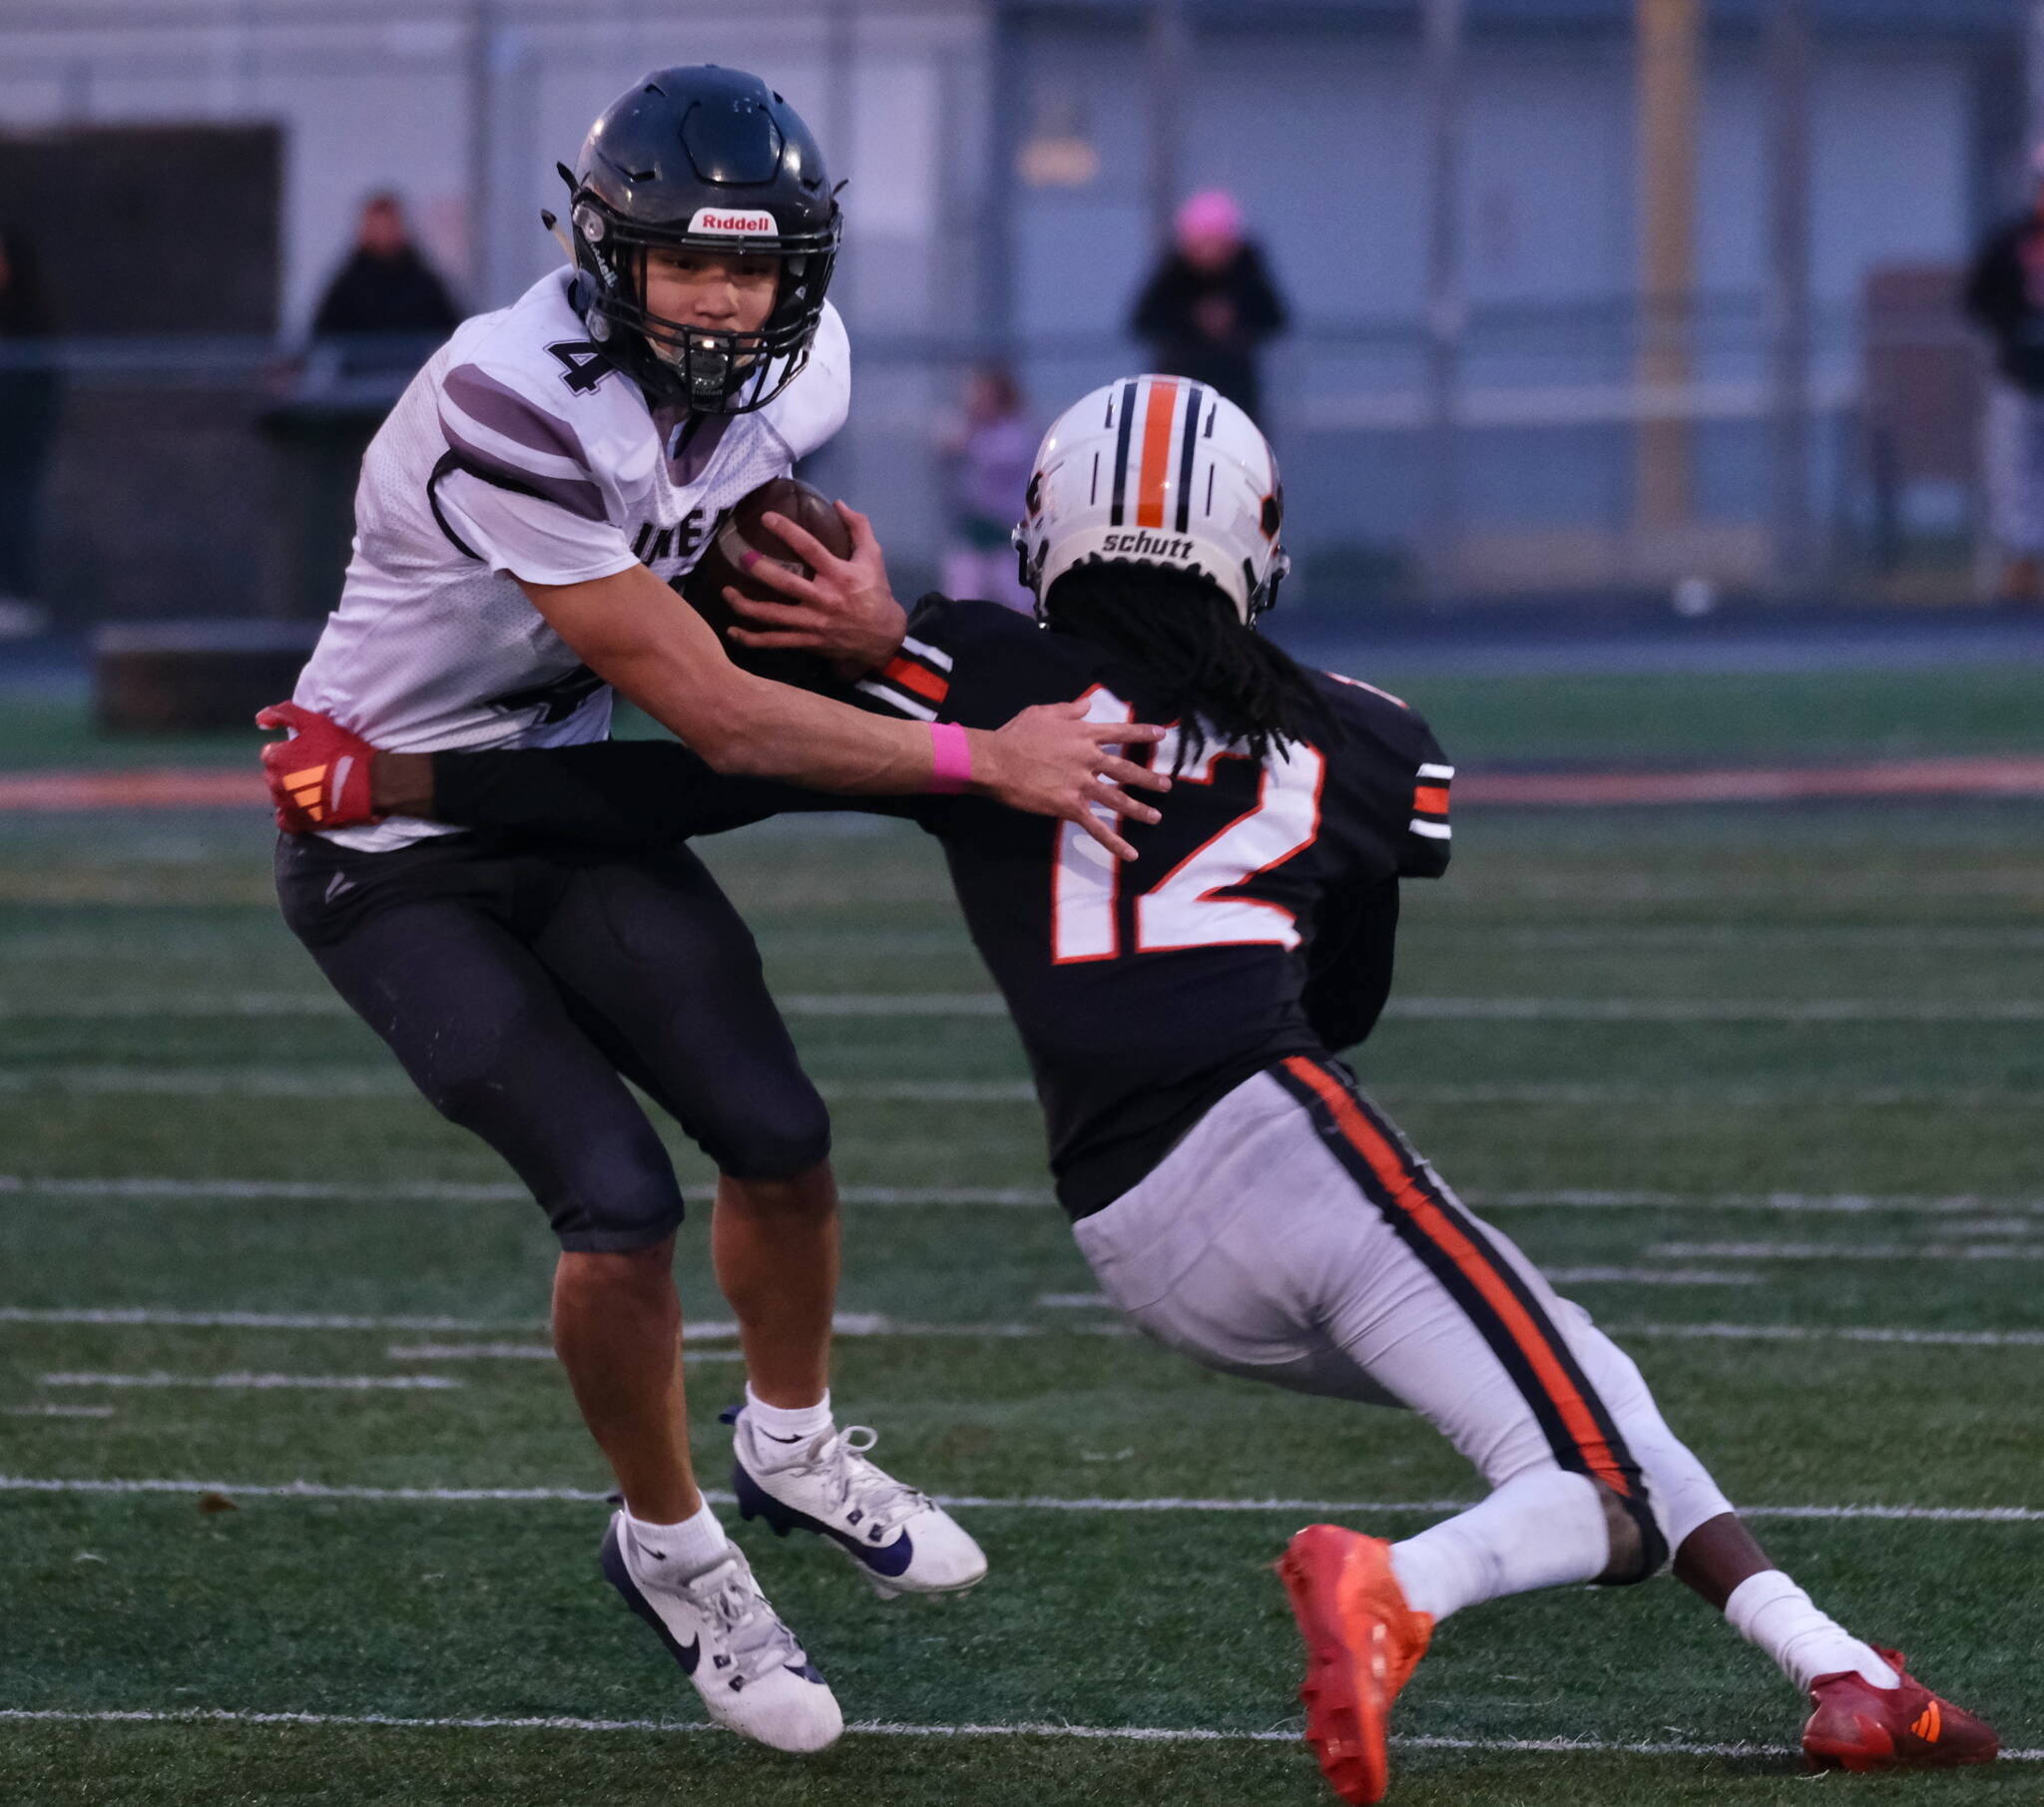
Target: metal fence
(214, 476)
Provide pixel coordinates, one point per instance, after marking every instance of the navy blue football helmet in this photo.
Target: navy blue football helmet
(712, 160)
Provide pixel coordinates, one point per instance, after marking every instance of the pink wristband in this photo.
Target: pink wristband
(950, 758)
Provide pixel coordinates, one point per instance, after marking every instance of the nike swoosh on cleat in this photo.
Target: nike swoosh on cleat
(890, 1559)
(753, 1498)
(611, 1559)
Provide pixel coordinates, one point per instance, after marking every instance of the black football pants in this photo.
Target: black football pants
(520, 986)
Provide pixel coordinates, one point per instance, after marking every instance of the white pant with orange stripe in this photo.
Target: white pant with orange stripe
(1295, 1237)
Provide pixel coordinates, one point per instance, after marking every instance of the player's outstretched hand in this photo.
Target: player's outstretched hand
(320, 776)
(1050, 760)
(847, 612)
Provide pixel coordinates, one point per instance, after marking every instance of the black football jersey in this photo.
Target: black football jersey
(1257, 922)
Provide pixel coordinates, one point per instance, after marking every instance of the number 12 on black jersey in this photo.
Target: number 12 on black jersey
(1185, 908)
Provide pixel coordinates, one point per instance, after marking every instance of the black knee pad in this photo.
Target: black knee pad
(771, 1137)
(613, 1201)
(604, 1193)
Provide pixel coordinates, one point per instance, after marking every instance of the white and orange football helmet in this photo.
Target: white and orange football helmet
(1157, 470)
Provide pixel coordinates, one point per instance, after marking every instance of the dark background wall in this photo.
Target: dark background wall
(161, 497)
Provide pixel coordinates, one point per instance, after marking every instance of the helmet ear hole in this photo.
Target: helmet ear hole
(1273, 516)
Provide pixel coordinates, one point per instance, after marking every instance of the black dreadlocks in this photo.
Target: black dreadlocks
(1209, 668)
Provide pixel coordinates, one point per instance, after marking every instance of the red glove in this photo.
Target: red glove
(319, 777)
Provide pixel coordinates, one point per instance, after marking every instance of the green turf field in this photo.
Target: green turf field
(1763, 1086)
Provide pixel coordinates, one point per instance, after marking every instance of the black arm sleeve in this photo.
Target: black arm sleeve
(612, 793)
(1349, 975)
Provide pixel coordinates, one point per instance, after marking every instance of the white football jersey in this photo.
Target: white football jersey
(518, 451)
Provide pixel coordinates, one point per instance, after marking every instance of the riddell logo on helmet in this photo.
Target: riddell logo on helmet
(735, 226)
(1147, 544)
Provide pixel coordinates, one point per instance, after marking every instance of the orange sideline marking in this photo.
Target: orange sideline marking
(173, 787)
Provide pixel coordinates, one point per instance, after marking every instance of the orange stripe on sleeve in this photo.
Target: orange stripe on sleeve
(1430, 799)
(1155, 453)
(919, 679)
(1435, 1225)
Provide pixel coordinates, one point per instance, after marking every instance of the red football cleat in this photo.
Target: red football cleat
(1362, 1643)
(1859, 1726)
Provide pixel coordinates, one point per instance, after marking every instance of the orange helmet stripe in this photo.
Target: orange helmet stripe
(1161, 405)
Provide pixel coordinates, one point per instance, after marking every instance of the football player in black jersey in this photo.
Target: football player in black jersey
(1232, 1190)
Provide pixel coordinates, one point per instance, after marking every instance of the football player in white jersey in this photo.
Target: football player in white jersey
(520, 518)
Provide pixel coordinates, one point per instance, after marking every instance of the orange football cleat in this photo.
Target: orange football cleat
(1859, 1726)
(1362, 1643)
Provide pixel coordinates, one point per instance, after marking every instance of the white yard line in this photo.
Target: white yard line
(60, 1412)
(333, 1083)
(1842, 1203)
(166, 1188)
(940, 1004)
(172, 1191)
(1808, 1333)
(1713, 1010)
(1851, 1251)
(852, 1325)
(522, 1352)
(1719, 1097)
(175, 1191)
(129, 1008)
(263, 1383)
(465, 1496)
(882, 1728)
(855, 1326)
(115, 1316)
(1649, 1276)
(1911, 938)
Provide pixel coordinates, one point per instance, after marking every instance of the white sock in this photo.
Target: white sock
(1770, 1611)
(679, 1551)
(1540, 1529)
(779, 1431)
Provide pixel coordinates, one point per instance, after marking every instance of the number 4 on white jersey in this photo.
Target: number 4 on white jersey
(1182, 909)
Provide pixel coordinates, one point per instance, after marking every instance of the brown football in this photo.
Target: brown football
(722, 563)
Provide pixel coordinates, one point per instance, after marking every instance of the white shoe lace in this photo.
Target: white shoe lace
(752, 1632)
(850, 1481)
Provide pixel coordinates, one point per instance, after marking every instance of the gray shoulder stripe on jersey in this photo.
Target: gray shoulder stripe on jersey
(502, 409)
(583, 500)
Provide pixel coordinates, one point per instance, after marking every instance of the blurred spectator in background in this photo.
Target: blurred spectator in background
(991, 452)
(385, 291)
(1210, 304)
(28, 426)
(2005, 295)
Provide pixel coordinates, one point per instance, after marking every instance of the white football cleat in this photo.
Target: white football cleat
(902, 1540)
(752, 1673)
